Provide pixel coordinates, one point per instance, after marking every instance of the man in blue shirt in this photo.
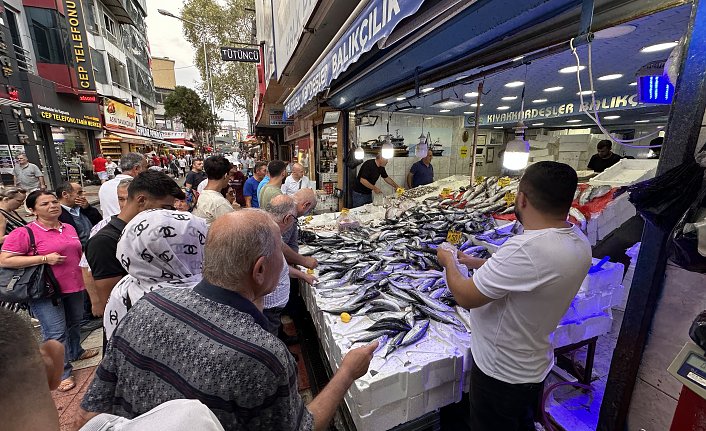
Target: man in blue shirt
(250, 188)
(422, 172)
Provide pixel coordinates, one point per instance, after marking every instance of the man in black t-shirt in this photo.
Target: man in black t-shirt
(368, 175)
(149, 190)
(195, 176)
(605, 158)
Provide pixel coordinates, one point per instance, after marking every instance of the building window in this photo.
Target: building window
(98, 61)
(46, 29)
(118, 72)
(109, 25)
(89, 12)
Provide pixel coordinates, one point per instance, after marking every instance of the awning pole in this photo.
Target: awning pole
(475, 134)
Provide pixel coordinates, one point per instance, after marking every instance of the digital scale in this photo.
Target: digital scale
(689, 367)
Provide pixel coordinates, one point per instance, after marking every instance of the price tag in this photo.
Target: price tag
(479, 180)
(344, 211)
(308, 219)
(445, 192)
(399, 191)
(504, 181)
(454, 237)
(510, 198)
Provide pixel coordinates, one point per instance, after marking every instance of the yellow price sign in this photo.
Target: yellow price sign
(445, 192)
(510, 198)
(399, 191)
(454, 237)
(308, 219)
(479, 180)
(344, 211)
(504, 181)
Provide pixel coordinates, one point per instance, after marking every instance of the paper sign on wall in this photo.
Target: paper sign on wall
(463, 152)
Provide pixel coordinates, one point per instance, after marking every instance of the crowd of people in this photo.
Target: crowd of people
(217, 273)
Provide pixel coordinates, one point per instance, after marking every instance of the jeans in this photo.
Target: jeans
(62, 323)
(360, 199)
(273, 315)
(497, 405)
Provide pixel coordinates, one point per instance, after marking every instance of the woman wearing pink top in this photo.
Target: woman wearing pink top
(59, 246)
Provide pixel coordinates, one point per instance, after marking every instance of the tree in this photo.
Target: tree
(193, 111)
(223, 23)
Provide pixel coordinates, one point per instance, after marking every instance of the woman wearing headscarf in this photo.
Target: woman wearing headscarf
(158, 248)
(11, 198)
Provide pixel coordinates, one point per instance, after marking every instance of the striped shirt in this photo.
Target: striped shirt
(207, 344)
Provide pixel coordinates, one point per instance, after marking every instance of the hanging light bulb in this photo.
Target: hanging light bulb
(388, 151)
(359, 153)
(422, 147)
(517, 151)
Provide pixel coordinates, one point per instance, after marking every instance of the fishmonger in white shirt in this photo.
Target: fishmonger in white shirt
(297, 181)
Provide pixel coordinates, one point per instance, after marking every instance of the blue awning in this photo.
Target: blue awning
(373, 23)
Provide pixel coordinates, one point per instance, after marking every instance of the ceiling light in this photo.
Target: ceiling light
(660, 127)
(517, 151)
(401, 98)
(610, 77)
(445, 110)
(359, 153)
(509, 98)
(574, 125)
(518, 58)
(418, 107)
(585, 93)
(475, 104)
(428, 118)
(448, 104)
(611, 117)
(539, 100)
(468, 112)
(503, 108)
(380, 105)
(538, 124)
(497, 127)
(471, 94)
(514, 84)
(642, 121)
(387, 150)
(426, 90)
(659, 47)
(573, 121)
(633, 84)
(617, 31)
(571, 69)
(552, 89)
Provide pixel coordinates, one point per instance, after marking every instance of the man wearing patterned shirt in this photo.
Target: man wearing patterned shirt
(210, 343)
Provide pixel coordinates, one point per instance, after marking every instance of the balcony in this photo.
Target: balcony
(24, 59)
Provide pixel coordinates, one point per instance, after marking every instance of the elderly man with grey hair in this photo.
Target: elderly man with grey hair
(231, 363)
(131, 164)
(283, 210)
(297, 181)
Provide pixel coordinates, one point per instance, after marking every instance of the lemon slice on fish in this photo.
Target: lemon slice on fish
(345, 317)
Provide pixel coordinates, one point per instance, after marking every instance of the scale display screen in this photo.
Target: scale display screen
(694, 369)
(655, 89)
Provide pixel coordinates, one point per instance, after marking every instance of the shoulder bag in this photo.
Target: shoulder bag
(32, 282)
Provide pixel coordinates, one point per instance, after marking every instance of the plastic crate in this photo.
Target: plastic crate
(626, 172)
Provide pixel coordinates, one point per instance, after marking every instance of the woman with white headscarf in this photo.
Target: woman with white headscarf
(158, 248)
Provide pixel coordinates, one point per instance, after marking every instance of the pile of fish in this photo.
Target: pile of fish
(419, 191)
(487, 197)
(591, 193)
(390, 273)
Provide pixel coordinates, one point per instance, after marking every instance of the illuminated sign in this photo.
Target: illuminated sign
(119, 117)
(78, 41)
(246, 55)
(88, 99)
(64, 117)
(655, 89)
(13, 92)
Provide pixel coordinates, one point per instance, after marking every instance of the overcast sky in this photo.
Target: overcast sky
(166, 37)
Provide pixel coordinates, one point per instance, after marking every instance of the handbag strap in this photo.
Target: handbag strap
(32, 244)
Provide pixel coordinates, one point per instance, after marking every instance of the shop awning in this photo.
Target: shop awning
(133, 139)
(14, 103)
(368, 24)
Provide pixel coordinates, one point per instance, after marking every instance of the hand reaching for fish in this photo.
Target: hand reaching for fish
(311, 263)
(445, 257)
(470, 261)
(356, 362)
(310, 279)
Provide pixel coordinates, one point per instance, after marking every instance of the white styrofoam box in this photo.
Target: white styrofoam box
(626, 172)
(596, 326)
(619, 297)
(561, 336)
(569, 155)
(544, 159)
(608, 226)
(573, 146)
(609, 277)
(539, 153)
(580, 138)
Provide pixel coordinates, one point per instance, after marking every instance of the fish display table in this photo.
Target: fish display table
(382, 282)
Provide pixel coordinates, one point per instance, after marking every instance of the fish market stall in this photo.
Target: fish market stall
(379, 280)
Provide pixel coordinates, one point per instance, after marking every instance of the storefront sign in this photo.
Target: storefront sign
(58, 116)
(276, 116)
(78, 42)
(245, 55)
(604, 104)
(298, 128)
(170, 134)
(150, 133)
(88, 98)
(375, 22)
(119, 117)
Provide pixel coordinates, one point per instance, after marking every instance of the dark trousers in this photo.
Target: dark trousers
(497, 405)
(360, 199)
(273, 316)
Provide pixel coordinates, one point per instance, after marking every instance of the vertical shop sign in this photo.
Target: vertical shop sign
(78, 43)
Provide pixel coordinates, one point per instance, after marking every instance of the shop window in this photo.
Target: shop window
(117, 72)
(46, 30)
(73, 150)
(99, 71)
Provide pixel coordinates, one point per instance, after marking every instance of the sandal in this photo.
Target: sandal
(67, 384)
(87, 354)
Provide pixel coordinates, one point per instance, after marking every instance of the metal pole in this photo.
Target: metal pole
(683, 128)
(475, 133)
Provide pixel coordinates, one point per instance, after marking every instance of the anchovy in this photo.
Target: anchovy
(388, 323)
(393, 344)
(370, 336)
(429, 302)
(441, 316)
(416, 333)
